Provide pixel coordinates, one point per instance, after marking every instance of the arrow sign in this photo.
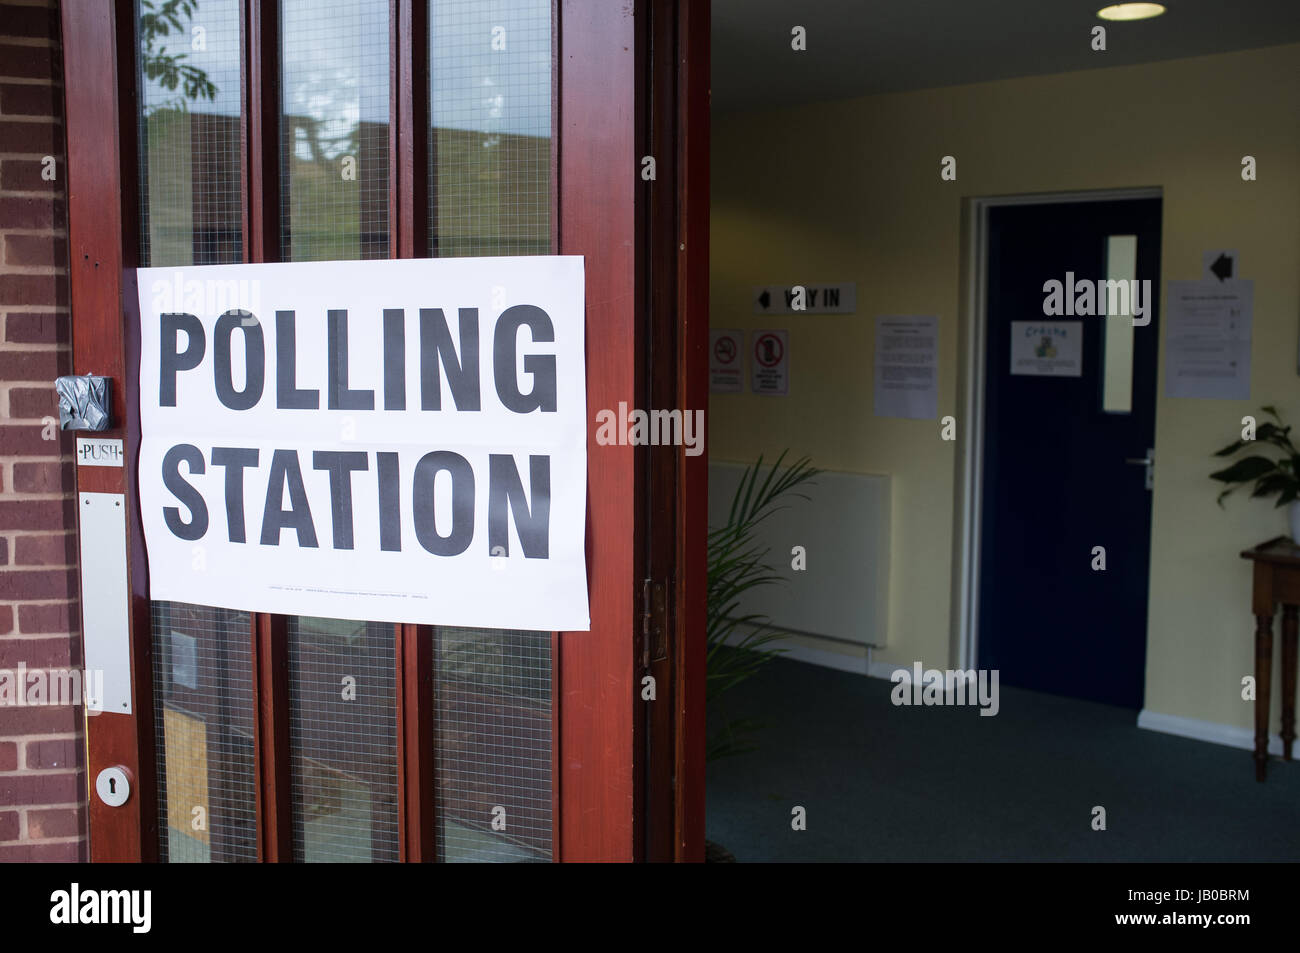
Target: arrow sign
(813, 298)
(1220, 263)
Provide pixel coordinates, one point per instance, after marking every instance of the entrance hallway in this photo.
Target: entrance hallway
(887, 783)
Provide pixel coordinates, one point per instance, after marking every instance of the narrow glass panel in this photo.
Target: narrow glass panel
(492, 691)
(343, 740)
(203, 705)
(334, 124)
(334, 178)
(1117, 357)
(490, 194)
(189, 130)
(490, 142)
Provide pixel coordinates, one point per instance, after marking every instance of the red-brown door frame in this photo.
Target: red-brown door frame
(598, 730)
(673, 118)
(103, 244)
(595, 672)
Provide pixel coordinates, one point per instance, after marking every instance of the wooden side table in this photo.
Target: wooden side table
(1277, 579)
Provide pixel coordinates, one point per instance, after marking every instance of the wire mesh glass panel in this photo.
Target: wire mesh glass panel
(189, 129)
(189, 132)
(492, 697)
(203, 707)
(490, 194)
(490, 136)
(343, 740)
(334, 122)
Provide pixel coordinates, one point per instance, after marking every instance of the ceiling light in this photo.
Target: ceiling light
(1131, 11)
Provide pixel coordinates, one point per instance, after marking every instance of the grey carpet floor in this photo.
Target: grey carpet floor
(881, 782)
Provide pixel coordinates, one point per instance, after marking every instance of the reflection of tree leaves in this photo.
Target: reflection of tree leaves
(320, 147)
(162, 18)
(323, 101)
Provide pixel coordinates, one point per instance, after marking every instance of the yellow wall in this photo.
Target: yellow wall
(850, 191)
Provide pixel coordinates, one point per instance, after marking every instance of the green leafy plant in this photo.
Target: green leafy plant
(163, 18)
(1271, 475)
(738, 565)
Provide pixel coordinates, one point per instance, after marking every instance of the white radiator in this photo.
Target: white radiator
(844, 529)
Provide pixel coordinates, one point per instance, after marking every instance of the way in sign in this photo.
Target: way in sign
(806, 299)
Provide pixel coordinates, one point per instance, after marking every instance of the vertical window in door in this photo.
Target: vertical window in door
(334, 80)
(490, 141)
(1117, 354)
(342, 739)
(189, 132)
(490, 194)
(189, 137)
(202, 673)
(334, 122)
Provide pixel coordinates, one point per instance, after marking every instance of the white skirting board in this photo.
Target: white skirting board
(842, 528)
(857, 663)
(1211, 731)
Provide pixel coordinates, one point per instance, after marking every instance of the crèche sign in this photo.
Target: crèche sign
(392, 441)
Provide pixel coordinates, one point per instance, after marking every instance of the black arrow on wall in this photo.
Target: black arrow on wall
(1222, 267)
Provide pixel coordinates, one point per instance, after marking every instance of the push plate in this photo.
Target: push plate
(99, 452)
(105, 622)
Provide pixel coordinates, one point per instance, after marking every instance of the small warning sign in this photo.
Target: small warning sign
(725, 351)
(771, 370)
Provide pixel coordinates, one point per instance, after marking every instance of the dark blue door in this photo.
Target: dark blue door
(1060, 497)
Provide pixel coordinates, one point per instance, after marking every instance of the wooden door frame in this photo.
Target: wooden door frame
(103, 244)
(673, 224)
(599, 729)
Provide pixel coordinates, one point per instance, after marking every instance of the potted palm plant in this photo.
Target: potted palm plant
(739, 642)
(1275, 473)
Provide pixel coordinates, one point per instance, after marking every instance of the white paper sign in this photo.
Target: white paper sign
(1047, 348)
(770, 372)
(726, 349)
(1207, 339)
(393, 441)
(906, 381)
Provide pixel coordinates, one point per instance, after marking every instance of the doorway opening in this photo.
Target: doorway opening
(884, 218)
(1061, 397)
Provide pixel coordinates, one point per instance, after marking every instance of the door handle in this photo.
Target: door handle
(1149, 461)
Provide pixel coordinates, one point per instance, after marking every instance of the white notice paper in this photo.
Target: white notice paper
(1047, 348)
(906, 368)
(392, 441)
(1207, 339)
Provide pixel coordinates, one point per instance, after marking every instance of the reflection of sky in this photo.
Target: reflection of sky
(335, 62)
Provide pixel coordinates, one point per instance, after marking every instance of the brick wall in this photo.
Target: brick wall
(42, 785)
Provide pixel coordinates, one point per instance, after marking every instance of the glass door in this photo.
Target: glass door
(352, 129)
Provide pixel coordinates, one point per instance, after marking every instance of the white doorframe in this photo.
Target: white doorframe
(971, 369)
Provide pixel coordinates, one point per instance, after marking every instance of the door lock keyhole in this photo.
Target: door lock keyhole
(113, 785)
